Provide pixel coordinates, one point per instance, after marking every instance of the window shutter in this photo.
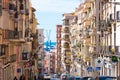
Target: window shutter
(111, 17)
(118, 15)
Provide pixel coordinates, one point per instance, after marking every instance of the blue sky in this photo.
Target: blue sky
(49, 13)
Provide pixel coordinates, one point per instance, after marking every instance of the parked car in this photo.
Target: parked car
(106, 78)
(75, 78)
(55, 77)
(46, 76)
(64, 77)
(87, 78)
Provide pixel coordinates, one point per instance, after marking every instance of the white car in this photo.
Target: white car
(54, 77)
(47, 76)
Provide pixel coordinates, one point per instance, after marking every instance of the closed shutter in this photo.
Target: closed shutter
(111, 17)
(118, 15)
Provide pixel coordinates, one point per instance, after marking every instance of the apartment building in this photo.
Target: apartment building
(40, 49)
(97, 29)
(66, 44)
(17, 19)
(52, 62)
(58, 47)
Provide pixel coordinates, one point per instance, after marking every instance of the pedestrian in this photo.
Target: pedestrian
(35, 77)
(15, 78)
(22, 77)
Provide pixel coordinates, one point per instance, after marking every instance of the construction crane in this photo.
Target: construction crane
(48, 42)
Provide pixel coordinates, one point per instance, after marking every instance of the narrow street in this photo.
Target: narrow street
(59, 39)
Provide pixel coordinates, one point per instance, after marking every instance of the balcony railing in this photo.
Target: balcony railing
(110, 50)
(66, 45)
(12, 34)
(66, 38)
(66, 22)
(66, 30)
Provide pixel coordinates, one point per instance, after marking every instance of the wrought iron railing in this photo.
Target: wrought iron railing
(12, 34)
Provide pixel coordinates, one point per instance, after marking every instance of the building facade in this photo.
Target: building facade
(66, 45)
(16, 20)
(40, 49)
(58, 47)
(95, 37)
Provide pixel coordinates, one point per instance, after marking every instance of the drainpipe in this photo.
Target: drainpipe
(115, 36)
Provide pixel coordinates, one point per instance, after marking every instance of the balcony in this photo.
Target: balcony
(68, 53)
(87, 23)
(66, 38)
(12, 35)
(67, 60)
(87, 5)
(66, 30)
(66, 22)
(84, 10)
(66, 45)
(12, 58)
(87, 59)
(92, 32)
(21, 1)
(87, 41)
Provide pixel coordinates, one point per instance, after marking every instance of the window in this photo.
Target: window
(2, 50)
(59, 30)
(58, 35)
(111, 17)
(5, 4)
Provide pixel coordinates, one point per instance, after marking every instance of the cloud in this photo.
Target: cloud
(61, 6)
